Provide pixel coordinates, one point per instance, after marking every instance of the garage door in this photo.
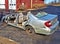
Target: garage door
(12, 4)
(2, 4)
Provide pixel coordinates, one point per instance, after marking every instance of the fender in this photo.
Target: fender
(31, 26)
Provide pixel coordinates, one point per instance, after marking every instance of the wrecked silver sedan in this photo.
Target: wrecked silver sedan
(42, 22)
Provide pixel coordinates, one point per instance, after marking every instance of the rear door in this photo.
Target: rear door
(12, 4)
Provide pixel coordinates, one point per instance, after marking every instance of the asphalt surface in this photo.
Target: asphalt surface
(22, 37)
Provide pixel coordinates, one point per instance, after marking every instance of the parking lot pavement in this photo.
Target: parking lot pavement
(22, 37)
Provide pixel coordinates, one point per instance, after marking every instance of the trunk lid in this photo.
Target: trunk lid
(50, 17)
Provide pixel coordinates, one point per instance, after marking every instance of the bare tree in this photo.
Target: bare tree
(59, 1)
(55, 1)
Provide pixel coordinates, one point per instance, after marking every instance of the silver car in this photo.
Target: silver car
(42, 23)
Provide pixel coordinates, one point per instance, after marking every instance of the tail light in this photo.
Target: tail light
(48, 24)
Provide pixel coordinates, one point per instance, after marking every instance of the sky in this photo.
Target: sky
(49, 1)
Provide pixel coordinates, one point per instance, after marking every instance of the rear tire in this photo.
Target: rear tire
(29, 30)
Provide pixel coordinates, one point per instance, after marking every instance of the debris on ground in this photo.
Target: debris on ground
(4, 40)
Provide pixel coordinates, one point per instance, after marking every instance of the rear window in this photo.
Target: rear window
(41, 14)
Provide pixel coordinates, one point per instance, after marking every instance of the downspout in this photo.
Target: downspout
(31, 4)
(6, 5)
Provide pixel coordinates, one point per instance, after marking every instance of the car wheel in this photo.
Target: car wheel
(29, 30)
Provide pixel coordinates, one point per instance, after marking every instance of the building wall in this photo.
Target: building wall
(15, 4)
(29, 3)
